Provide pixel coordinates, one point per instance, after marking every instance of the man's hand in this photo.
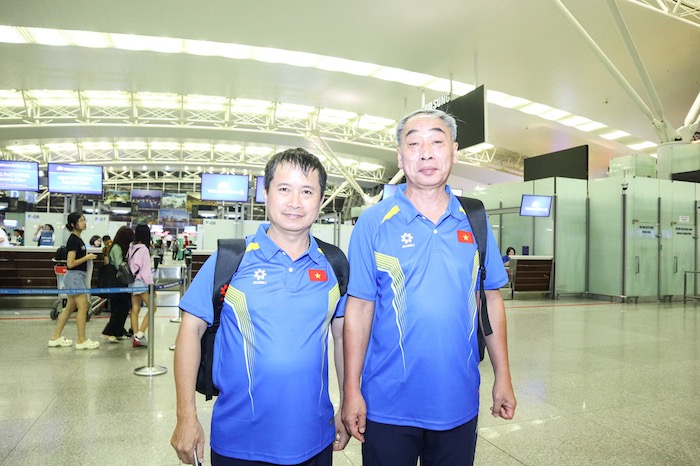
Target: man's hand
(355, 414)
(341, 434)
(503, 400)
(187, 436)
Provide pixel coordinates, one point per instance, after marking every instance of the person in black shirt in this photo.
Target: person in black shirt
(76, 278)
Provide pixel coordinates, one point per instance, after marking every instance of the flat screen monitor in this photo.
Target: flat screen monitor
(75, 179)
(389, 190)
(232, 188)
(535, 206)
(9, 223)
(260, 189)
(19, 176)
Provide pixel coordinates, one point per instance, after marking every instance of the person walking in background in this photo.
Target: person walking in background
(411, 321)
(120, 303)
(139, 259)
(271, 355)
(79, 270)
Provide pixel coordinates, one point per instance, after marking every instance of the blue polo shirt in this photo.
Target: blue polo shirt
(271, 352)
(421, 367)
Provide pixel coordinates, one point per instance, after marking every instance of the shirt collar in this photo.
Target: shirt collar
(269, 248)
(409, 212)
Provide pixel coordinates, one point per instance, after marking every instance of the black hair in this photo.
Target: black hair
(298, 158)
(511, 248)
(50, 226)
(142, 234)
(73, 220)
(123, 238)
(92, 240)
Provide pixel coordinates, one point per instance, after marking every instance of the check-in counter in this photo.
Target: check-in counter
(30, 267)
(531, 274)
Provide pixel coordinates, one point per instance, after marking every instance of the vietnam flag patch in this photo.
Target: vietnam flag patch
(316, 275)
(465, 236)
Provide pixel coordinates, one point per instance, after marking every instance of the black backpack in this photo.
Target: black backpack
(476, 214)
(230, 254)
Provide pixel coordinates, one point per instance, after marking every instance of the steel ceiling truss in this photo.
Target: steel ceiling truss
(688, 10)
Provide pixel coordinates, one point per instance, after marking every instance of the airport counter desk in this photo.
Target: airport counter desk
(28, 267)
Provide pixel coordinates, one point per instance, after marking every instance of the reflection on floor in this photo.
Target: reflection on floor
(597, 383)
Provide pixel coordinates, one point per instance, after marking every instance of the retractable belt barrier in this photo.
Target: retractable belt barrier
(95, 291)
(151, 369)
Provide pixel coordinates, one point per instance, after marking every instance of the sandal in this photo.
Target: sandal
(87, 344)
(60, 341)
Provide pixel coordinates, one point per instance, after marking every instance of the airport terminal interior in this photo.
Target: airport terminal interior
(577, 125)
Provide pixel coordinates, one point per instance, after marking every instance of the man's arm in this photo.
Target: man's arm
(188, 433)
(497, 343)
(358, 325)
(341, 434)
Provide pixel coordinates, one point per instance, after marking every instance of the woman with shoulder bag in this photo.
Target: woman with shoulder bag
(78, 262)
(139, 259)
(120, 303)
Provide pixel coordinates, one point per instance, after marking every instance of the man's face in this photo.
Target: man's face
(293, 199)
(426, 153)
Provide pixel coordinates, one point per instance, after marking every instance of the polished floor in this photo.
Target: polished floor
(597, 384)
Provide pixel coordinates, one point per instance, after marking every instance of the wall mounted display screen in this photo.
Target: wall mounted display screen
(75, 179)
(233, 188)
(470, 112)
(260, 189)
(567, 163)
(19, 176)
(389, 191)
(535, 206)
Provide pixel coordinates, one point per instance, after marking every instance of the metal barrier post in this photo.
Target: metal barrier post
(183, 288)
(151, 369)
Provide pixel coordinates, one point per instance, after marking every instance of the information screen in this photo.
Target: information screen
(19, 176)
(260, 189)
(535, 206)
(75, 179)
(233, 188)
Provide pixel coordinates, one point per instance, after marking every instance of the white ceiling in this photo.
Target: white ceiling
(523, 48)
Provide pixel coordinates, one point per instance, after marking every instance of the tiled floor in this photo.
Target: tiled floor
(597, 383)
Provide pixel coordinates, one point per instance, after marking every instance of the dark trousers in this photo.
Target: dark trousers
(120, 304)
(389, 445)
(325, 458)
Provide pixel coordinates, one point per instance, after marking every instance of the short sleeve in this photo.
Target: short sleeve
(363, 268)
(197, 300)
(496, 275)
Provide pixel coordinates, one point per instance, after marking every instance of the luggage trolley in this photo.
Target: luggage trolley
(60, 267)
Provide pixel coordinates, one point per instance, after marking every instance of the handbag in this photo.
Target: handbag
(124, 275)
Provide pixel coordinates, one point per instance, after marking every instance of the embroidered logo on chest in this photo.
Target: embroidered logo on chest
(259, 276)
(407, 240)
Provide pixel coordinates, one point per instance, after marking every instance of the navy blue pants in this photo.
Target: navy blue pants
(325, 458)
(390, 445)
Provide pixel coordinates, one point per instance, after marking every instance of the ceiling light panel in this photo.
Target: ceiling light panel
(107, 98)
(96, 40)
(11, 99)
(160, 100)
(11, 35)
(49, 36)
(25, 149)
(55, 98)
(614, 135)
(256, 107)
(294, 111)
(216, 49)
(409, 78)
(337, 117)
(373, 123)
(203, 102)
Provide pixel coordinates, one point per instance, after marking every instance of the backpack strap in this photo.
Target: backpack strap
(229, 255)
(338, 262)
(476, 214)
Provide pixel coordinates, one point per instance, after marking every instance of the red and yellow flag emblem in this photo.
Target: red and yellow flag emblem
(318, 275)
(465, 236)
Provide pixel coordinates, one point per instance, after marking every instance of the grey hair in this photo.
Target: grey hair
(431, 113)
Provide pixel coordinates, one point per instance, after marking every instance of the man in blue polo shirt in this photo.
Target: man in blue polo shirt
(271, 349)
(411, 348)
